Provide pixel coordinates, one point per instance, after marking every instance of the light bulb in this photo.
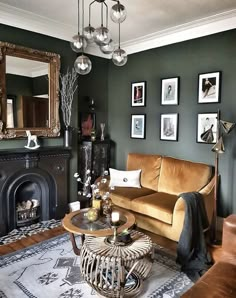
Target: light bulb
(108, 48)
(118, 13)
(102, 36)
(89, 33)
(78, 42)
(83, 65)
(119, 57)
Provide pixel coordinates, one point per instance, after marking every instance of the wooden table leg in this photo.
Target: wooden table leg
(74, 245)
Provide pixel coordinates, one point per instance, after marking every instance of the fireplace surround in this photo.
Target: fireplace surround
(27, 176)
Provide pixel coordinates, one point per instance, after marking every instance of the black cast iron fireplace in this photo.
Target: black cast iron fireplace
(33, 186)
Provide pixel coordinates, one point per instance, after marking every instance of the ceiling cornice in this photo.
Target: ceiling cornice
(21, 19)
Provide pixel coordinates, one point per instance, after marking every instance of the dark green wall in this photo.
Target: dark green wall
(186, 60)
(46, 43)
(94, 85)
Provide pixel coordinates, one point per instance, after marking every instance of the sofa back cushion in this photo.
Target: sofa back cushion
(178, 176)
(150, 168)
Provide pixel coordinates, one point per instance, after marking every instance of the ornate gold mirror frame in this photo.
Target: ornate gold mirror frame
(52, 128)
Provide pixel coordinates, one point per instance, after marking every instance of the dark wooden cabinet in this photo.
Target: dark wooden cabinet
(94, 156)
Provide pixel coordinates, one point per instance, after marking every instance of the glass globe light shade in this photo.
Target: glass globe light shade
(78, 42)
(118, 13)
(108, 48)
(102, 36)
(119, 57)
(89, 33)
(83, 65)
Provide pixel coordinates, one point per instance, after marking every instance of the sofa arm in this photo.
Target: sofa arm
(179, 209)
(208, 196)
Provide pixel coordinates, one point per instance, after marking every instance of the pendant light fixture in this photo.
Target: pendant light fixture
(100, 36)
(119, 56)
(82, 64)
(78, 41)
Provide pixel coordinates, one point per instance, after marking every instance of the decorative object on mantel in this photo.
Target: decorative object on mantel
(218, 148)
(67, 91)
(101, 36)
(102, 125)
(31, 138)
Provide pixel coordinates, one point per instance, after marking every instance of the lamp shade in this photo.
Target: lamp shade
(83, 65)
(78, 42)
(219, 146)
(118, 13)
(227, 126)
(119, 57)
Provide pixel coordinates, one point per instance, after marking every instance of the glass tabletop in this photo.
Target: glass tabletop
(81, 221)
(78, 223)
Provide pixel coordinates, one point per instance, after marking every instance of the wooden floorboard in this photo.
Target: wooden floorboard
(34, 239)
(31, 240)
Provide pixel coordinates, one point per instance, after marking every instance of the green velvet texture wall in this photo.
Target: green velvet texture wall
(186, 60)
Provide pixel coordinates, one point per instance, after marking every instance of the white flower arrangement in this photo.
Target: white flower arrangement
(86, 184)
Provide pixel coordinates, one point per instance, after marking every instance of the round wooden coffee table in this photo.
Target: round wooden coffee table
(77, 223)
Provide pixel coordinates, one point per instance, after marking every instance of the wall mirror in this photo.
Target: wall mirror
(29, 92)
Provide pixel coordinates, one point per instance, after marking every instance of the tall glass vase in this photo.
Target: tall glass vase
(67, 137)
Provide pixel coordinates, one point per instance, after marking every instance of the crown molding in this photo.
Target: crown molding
(203, 27)
(21, 19)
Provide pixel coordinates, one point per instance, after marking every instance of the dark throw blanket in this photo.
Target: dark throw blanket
(192, 253)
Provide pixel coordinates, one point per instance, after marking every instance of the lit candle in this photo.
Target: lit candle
(115, 217)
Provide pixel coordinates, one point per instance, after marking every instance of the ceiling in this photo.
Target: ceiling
(149, 23)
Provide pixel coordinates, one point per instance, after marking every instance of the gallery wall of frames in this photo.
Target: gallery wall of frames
(209, 87)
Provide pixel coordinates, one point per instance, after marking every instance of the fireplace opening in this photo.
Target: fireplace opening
(27, 201)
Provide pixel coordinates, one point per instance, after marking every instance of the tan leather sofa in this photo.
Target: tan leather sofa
(157, 205)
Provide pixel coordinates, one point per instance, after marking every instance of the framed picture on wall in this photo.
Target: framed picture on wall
(138, 94)
(169, 127)
(170, 91)
(209, 87)
(138, 129)
(87, 124)
(206, 128)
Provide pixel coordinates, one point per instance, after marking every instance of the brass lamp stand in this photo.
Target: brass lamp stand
(218, 148)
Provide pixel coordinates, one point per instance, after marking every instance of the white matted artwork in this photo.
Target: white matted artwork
(169, 127)
(170, 91)
(209, 87)
(138, 126)
(206, 128)
(138, 94)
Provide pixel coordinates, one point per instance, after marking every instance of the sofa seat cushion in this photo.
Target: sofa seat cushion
(122, 196)
(178, 176)
(158, 205)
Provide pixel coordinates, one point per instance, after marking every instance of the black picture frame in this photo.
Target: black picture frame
(138, 94)
(206, 128)
(169, 127)
(170, 91)
(138, 126)
(209, 87)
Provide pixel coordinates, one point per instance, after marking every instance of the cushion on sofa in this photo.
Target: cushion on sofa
(124, 178)
(157, 205)
(178, 176)
(122, 196)
(150, 166)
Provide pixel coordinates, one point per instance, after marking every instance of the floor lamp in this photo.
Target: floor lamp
(218, 148)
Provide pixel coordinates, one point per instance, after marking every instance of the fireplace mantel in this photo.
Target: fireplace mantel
(48, 167)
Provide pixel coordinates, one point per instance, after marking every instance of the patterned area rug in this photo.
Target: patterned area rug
(51, 269)
(26, 231)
